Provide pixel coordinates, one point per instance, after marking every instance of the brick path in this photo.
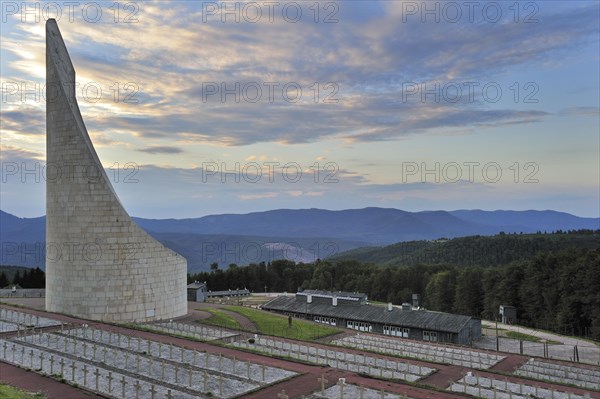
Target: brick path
(510, 363)
(444, 377)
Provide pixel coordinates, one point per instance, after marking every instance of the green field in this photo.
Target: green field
(8, 392)
(220, 319)
(277, 325)
(528, 337)
(522, 336)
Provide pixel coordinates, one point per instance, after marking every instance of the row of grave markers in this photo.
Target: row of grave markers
(485, 387)
(125, 343)
(23, 321)
(228, 376)
(62, 367)
(369, 365)
(583, 377)
(201, 332)
(138, 358)
(472, 359)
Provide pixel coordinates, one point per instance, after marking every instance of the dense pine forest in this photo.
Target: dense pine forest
(500, 249)
(22, 277)
(553, 290)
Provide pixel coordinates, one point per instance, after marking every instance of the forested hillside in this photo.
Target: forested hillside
(557, 291)
(495, 250)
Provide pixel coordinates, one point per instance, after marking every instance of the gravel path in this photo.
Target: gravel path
(588, 351)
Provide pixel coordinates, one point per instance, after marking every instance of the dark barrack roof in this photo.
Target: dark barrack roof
(349, 296)
(423, 319)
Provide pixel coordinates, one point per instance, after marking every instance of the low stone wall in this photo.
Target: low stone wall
(23, 293)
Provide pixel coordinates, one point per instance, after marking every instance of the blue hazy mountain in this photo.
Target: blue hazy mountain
(375, 225)
(302, 234)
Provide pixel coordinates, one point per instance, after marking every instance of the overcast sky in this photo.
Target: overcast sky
(203, 108)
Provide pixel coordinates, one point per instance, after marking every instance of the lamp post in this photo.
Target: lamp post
(497, 339)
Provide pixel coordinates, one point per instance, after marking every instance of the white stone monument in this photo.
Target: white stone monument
(100, 264)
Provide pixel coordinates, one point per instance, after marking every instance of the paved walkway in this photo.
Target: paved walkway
(562, 349)
(445, 376)
(542, 334)
(245, 322)
(510, 363)
(31, 303)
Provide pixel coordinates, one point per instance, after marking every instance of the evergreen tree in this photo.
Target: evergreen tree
(469, 295)
(440, 291)
(17, 280)
(3, 280)
(38, 278)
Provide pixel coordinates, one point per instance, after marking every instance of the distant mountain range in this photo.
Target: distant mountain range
(375, 225)
(301, 235)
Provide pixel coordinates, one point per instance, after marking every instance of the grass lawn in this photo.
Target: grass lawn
(527, 337)
(494, 328)
(220, 319)
(8, 392)
(277, 325)
(522, 336)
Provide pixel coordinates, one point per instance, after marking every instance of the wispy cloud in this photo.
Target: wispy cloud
(161, 150)
(367, 56)
(147, 91)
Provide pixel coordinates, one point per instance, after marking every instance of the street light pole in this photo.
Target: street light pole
(497, 339)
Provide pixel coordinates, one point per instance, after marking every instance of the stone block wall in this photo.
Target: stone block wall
(100, 264)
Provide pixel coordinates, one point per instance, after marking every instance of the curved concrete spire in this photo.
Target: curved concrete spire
(100, 264)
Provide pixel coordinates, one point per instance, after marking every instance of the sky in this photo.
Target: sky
(199, 108)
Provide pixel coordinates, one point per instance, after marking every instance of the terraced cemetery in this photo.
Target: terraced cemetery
(159, 361)
(124, 366)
